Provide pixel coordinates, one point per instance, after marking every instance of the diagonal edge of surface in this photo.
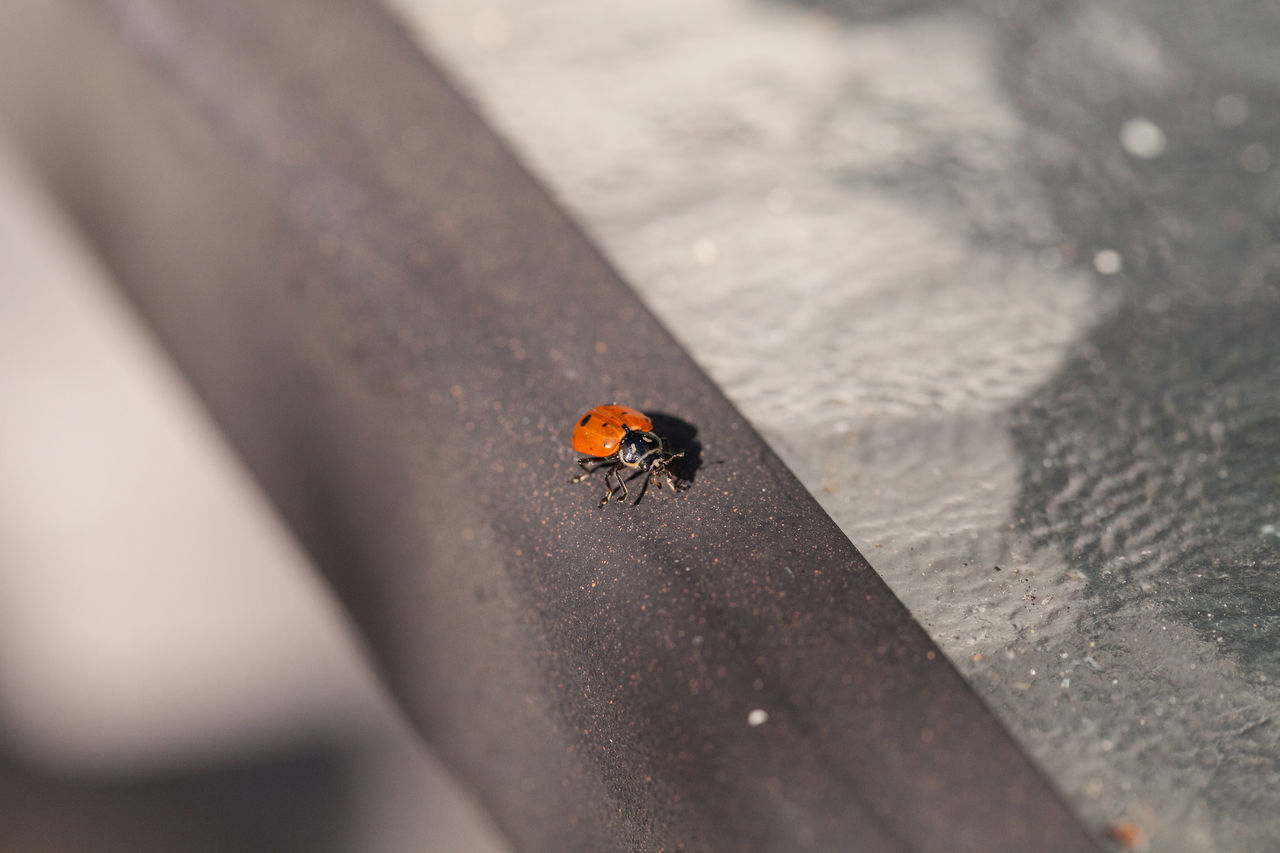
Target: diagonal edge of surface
(396, 328)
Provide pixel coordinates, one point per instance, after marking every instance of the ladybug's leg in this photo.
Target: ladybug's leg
(662, 471)
(617, 473)
(609, 489)
(595, 462)
(666, 469)
(648, 478)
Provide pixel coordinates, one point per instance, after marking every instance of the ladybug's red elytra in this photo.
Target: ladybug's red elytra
(617, 437)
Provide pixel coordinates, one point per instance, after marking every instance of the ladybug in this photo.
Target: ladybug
(617, 437)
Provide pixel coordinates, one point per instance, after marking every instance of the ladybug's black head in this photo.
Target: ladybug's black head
(640, 449)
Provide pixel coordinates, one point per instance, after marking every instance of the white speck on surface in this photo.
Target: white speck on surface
(1268, 530)
(1108, 262)
(1143, 138)
(758, 717)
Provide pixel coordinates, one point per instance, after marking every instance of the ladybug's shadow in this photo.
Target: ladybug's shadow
(682, 436)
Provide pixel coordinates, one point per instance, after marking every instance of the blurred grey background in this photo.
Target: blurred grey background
(998, 280)
(173, 675)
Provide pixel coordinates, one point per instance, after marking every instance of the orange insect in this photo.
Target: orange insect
(617, 437)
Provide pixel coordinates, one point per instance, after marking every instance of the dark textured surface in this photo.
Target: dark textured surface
(396, 328)
(1019, 310)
